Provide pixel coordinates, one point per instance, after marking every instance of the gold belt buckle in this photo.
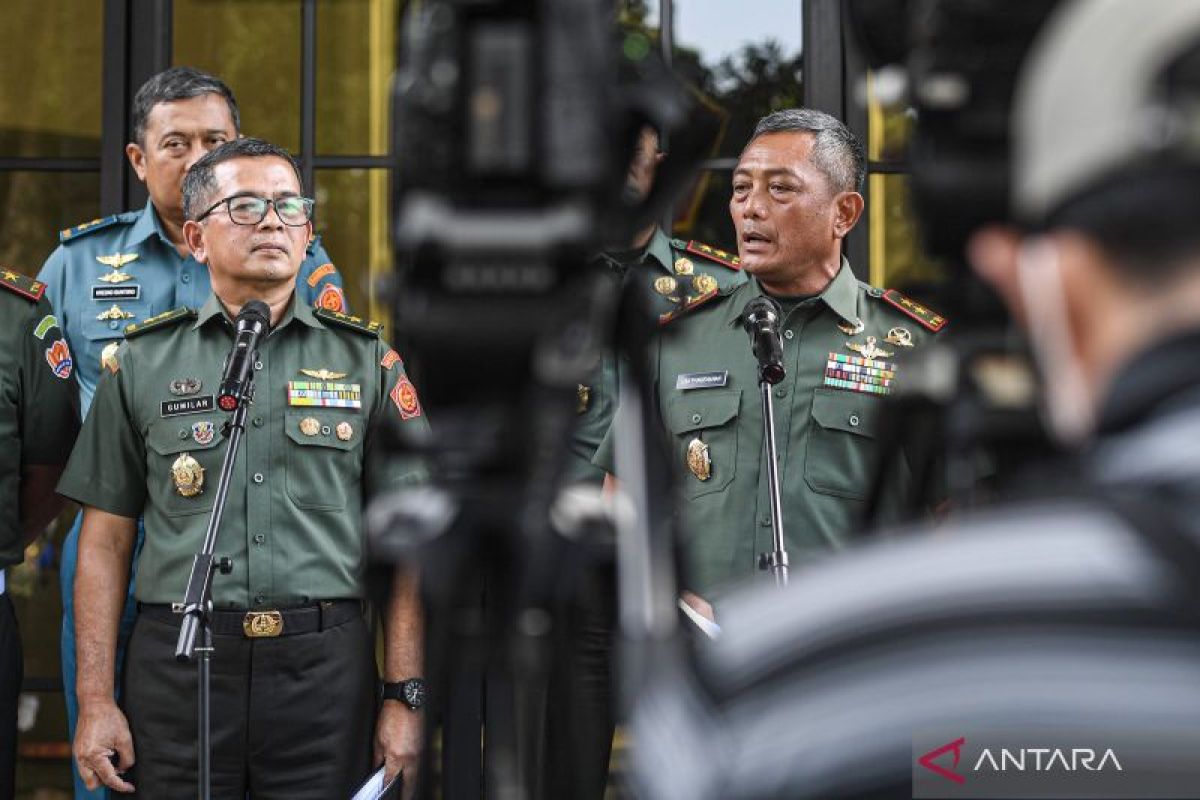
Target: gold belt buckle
(262, 624)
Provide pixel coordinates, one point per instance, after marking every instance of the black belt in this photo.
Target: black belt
(269, 623)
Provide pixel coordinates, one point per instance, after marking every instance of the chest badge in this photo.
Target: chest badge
(203, 432)
(323, 374)
(108, 357)
(344, 431)
(901, 337)
(666, 285)
(851, 329)
(188, 475)
(684, 266)
(698, 459)
(870, 350)
(309, 426)
(703, 284)
(115, 262)
(115, 312)
(583, 398)
(183, 387)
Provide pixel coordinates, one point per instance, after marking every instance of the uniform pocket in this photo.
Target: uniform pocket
(175, 441)
(842, 448)
(322, 457)
(709, 416)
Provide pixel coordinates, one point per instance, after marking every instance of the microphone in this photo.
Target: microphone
(252, 323)
(760, 318)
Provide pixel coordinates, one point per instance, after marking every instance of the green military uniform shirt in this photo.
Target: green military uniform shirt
(841, 349)
(293, 521)
(39, 401)
(676, 271)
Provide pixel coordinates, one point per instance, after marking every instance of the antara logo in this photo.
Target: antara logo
(954, 747)
(1026, 759)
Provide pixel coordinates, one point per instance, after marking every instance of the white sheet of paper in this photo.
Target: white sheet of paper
(374, 788)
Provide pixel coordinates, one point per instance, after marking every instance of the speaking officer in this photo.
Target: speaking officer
(39, 418)
(123, 269)
(294, 672)
(794, 200)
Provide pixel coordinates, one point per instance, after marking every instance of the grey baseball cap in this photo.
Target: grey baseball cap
(1090, 104)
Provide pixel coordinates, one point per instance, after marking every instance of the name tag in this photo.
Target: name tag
(104, 293)
(702, 380)
(191, 405)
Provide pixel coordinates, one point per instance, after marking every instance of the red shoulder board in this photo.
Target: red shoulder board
(928, 319)
(713, 254)
(22, 284)
(695, 302)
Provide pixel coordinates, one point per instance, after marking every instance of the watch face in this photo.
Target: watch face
(414, 693)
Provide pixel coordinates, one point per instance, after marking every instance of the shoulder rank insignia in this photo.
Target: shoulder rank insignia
(159, 320)
(928, 319)
(347, 321)
(20, 284)
(67, 234)
(713, 254)
(692, 302)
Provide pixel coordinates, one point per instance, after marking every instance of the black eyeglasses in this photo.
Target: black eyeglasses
(248, 209)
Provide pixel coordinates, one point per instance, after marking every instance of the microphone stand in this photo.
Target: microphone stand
(196, 607)
(777, 559)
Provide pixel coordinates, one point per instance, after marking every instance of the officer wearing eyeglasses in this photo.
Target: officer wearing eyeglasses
(123, 269)
(296, 708)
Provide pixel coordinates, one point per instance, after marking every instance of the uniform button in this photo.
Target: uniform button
(781, 392)
(789, 334)
(696, 418)
(854, 420)
(258, 422)
(259, 538)
(113, 324)
(258, 477)
(183, 434)
(764, 521)
(258, 365)
(260, 599)
(185, 277)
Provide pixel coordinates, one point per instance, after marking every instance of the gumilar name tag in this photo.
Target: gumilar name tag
(191, 405)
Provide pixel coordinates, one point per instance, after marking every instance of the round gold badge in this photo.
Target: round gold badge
(344, 431)
(665, 285)
(309, 426)
(698, 459)
(703, 284)
(683, 266)
(188, 475)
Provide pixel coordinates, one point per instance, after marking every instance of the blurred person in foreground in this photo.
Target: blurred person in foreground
(296, 705)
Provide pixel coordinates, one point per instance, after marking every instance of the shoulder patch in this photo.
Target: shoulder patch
(347, 321)
(319, 273)
(929, 320)
(23, 285)
(692, 303)
(713, 254)
(67, 234)
(160, 321)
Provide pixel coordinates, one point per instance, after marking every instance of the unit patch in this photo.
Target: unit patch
(331, 299)
(324, 395)
(203, 432)
(43, 327)
(858, 374)
(58, 355)
(320, 272)
(193, 405)
(702, 380)
(404, 395)
(390, 359)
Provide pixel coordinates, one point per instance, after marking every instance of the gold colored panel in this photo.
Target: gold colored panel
(34, 206)
(356, 54)
(897, 257)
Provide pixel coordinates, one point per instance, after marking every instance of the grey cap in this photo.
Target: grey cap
(1088, 103)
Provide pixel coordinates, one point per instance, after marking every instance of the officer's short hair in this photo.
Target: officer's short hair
(200, 183)
(178, 83)
(836, 152)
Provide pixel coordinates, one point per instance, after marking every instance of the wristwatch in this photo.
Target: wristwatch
(411, 692)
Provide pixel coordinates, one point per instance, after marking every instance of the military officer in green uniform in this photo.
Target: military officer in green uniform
(39, 418)
(675, 271)
(294, 677)
(794, 200)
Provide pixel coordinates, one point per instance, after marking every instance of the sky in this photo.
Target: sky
(720, 27)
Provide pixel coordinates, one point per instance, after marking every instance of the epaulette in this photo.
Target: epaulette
(23, 285)
(159, 321)
(930, 320)
(67, 234)
(690, 305)
(711, 253)
(347, 321)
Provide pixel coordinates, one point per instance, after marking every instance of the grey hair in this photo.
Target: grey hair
(836, 152)
(174, 84)
(200, 183)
